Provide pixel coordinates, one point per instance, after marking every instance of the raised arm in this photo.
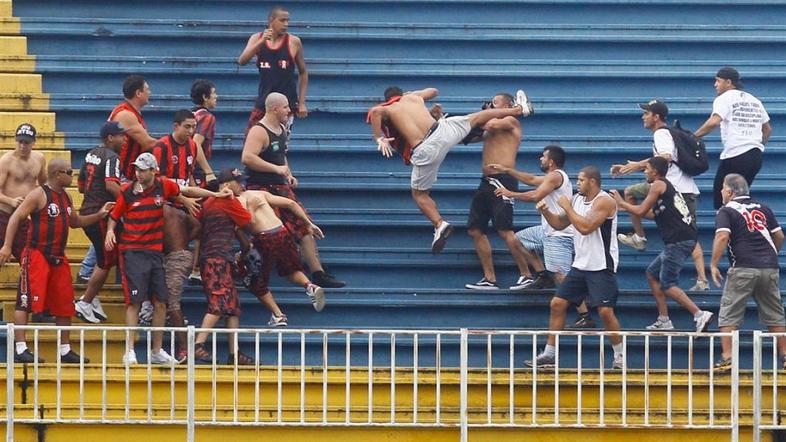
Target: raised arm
(426, 94)
(602, 209)
(656, 189)
(252, 46)
(551, 181)
(559, 222)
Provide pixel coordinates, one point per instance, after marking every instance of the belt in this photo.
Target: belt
(431, 130)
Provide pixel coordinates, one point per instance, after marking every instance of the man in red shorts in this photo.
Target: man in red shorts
(220, 219)
(21, 170)
(140, 205)
(277, 53)
(45, 276)
(276, 245)
(264, 155)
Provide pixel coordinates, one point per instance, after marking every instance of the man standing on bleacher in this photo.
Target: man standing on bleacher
(753, 237)
(45, 275)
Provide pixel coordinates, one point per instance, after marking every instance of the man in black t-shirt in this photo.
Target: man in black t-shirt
(676, 226)
(99, 181)
(753, 237)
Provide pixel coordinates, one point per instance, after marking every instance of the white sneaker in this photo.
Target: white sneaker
(619, 362)
(522, 283)
(130, 358)
(317, 296)
(700, 286)
(527, 108)
(441, 235)
(277, 321)
(703, 321)
(661, 325)
(84, 311)
(98, 310)
(162, 358)
(633, 240)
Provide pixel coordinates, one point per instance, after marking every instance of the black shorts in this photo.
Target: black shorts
(143, 276)
(96, 233)
(598, 288)
(488, 207)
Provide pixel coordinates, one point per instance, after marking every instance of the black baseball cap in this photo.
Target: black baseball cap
(656, 107)
(25, 132)
(729, 73)
(111, 128)
(231, 174)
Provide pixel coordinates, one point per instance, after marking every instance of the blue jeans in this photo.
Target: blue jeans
(88, 263)
(666, 267)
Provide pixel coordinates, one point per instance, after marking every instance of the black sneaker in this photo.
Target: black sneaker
(326, 280)
(723, 365)
(242, 359)
(26, 357)
(543, 281)
(582, 322)
(72, 358)
(483, 284)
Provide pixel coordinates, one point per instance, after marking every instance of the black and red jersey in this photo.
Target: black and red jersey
(276, 72)
(142, 213)
(176, 161)
(48, 230)
(205, 126)
(219, 216)
(131, 149)
(101, 165)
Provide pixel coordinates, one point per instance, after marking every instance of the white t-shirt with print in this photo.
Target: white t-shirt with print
(742, 116)
(663, 142)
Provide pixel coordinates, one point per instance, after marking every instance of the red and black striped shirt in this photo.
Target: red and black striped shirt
(142, 214)
(48, 230)
(176, 161)
(131, 148)
(206, 126)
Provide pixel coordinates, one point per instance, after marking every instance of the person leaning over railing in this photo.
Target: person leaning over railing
(753, 236)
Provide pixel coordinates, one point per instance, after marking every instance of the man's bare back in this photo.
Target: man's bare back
(19, 174)
(263, 217)
(501, 141)
(411, 118)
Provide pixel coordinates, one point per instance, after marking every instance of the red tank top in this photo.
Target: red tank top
(48, 230)
(131, 149)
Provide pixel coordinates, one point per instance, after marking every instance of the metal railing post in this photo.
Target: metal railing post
(757, 367)
(190, 335)
(464, 350)
(9, 382)
(735, 386)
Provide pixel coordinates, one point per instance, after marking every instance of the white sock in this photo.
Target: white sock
(663, 318)
(64, 349)
(617, 350)
(550, 350)
(21, 347)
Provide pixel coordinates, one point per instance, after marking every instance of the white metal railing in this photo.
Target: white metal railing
(379, 378)
(767, 398)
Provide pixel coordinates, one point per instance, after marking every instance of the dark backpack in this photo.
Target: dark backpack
(691, 151)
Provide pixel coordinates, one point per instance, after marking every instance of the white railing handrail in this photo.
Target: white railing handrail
(422, 349)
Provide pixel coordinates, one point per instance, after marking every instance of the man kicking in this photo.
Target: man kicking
(404, 123)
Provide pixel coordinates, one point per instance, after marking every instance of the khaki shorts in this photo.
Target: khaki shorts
(431, 152)
(762, 285)
(177, 267)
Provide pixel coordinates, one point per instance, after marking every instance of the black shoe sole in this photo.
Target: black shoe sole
(443, 239)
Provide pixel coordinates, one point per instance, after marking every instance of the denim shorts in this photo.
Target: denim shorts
(666, 267)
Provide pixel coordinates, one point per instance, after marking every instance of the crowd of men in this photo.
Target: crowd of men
(156, 209)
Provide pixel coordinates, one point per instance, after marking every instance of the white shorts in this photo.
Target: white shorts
(431, 152)
(557, 250)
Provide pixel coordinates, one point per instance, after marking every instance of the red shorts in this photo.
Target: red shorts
(21, 234)
(219, 286)
(276, 247)
(44, 285)
(295, 225)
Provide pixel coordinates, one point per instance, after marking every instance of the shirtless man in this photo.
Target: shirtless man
(405, 124)
(20, 172)
(277, 53)
(277, 246)
(500, 144)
